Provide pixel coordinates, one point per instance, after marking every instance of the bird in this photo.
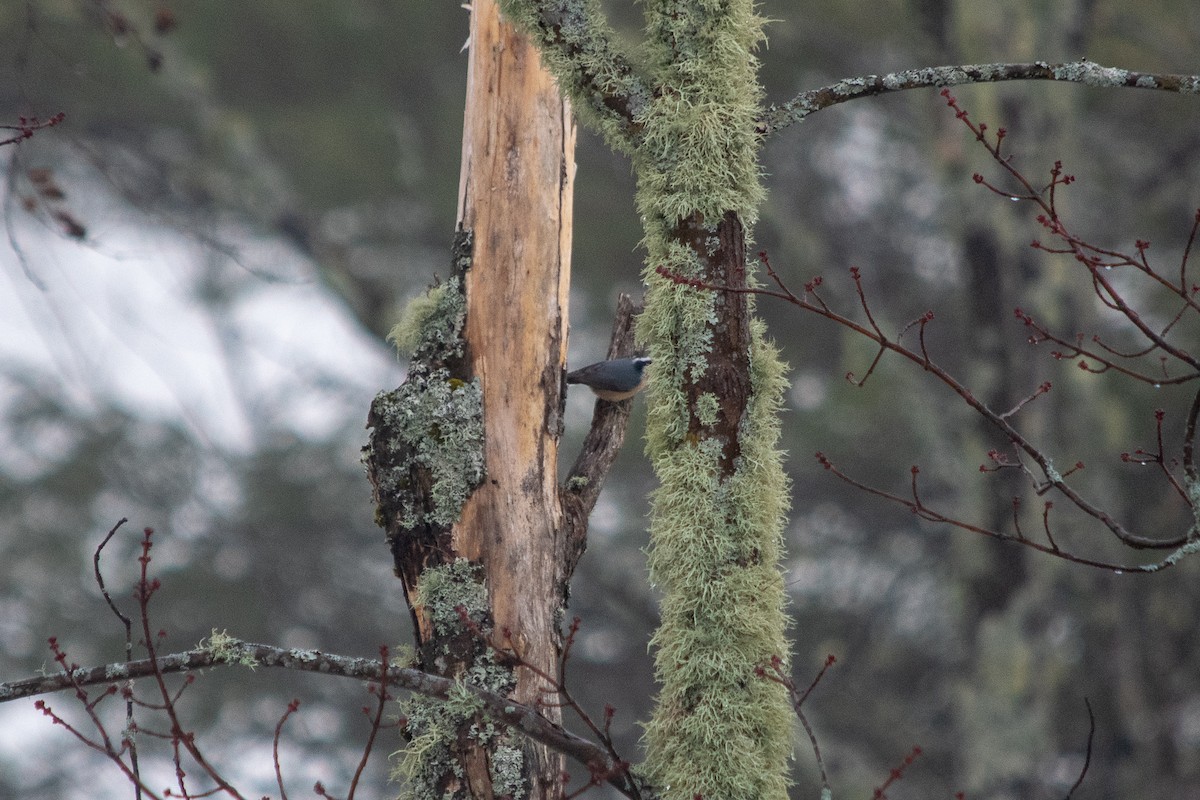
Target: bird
(617, 379)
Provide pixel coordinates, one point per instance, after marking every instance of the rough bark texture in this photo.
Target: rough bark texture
(463, 456)
(728, 375)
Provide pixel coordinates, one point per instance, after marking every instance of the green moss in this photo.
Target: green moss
(435, 426)
(440, 731)
(445, 589)
(414, 322)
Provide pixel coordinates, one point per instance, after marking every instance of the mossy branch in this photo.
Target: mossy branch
(581, 50)
(1083, 71)
(233, 651)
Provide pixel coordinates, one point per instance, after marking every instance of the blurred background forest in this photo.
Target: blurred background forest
(257, 188)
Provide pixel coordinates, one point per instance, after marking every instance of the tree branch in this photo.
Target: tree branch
(234, 651)
(585, 479)
(1089, 73)
(580, 48)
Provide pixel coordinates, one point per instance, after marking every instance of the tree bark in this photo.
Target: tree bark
(515, 196)
(463, 456)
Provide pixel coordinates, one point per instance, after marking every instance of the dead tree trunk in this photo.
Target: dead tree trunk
(463, 456)
(515, 195)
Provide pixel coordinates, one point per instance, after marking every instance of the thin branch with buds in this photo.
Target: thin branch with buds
(612, 769)
(27, 126)
(777, 674)
(1175, 365)
(222, 649)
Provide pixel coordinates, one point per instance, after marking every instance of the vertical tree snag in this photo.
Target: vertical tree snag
(463, 456)
(515, 196)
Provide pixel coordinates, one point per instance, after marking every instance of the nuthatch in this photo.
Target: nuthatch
(614, 380)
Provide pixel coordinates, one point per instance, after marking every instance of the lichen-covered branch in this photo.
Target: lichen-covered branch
(226, 650)
(712, 430)
(581, 50)
(1088, 73)
(712, 427)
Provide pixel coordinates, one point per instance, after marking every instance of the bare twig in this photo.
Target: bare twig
(382, 696)
(292, 708)
(614, 769)
(130, 725)
(897, 773)
(778, 675)
(1050, 476)
(229, 651)
(1087, 758)
(222, 649)
(1044, 477)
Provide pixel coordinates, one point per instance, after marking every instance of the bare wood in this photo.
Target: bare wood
(515, 197)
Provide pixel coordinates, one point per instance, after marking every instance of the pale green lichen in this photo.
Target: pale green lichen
(440, 729)
(715, 552)
(587, 59)
(115, 672)
(718, 731)
(1190, 548)
(432, 324)
(507, 768)
(414, 325)
(432, 751)
(445, 589)
(436, 425)
(433, 423)
(403, 655)
(716, 539)
(228, 649)
(1193, 492)
(700, 150)
(707, 409)
(431, 727)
